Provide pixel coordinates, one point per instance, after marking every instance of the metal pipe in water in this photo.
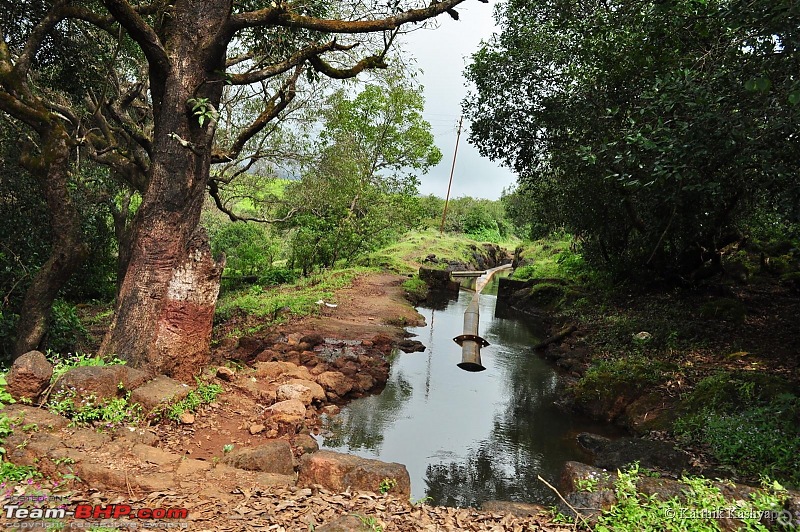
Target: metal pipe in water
(470, 342)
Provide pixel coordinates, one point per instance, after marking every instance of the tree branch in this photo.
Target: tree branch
(131, 128)
(140, 32)
(279, 101)
(40, 31)
(213, 191)
(284, 66)
(282, 16)
(373, 61)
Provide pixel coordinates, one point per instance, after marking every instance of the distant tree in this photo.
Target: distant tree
(360, 190)
(653, 129)
(153, 120)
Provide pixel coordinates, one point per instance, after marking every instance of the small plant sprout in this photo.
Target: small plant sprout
(228, 447)
(588, 484)
(387, 485)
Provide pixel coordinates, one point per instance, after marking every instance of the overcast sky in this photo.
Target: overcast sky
(442, 54)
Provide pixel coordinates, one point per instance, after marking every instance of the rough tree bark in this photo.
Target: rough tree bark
(165, 305)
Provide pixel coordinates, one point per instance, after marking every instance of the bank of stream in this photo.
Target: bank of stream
(468, 437)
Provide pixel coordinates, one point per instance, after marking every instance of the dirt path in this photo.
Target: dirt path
(373, 305)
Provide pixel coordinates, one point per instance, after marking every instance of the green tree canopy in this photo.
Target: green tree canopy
(360, 189)
(653, 129)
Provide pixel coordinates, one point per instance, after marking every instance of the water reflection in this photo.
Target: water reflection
(363, 428)
(467, 437)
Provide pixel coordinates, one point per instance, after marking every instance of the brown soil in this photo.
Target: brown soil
(372, 312)
(373, 305)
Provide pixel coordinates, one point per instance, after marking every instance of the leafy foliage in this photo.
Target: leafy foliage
(105, 414)
(66, 329)
(610, 378)
(359, 192)
(653, 144)
(249, 248)
(204, 393)
(637, 511)
(744, 419)
(481, 219)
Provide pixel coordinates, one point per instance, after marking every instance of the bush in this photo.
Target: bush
(105, 414)
(755, 441)
(480, 218)
(66, 329)
(636, 511)
(249, 249)
(276, 276)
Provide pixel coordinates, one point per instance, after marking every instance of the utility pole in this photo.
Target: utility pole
(452, 169)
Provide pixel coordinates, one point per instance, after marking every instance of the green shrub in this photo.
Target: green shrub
(105, 414)
(729, 391)
(748, 421)
(10, 472)
(525, 272)
(66, 329)
(754, 442)
(204, 393)
(249, 249)
(275, 276)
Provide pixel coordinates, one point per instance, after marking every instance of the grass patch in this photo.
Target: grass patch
(204, 394)
(416, 289)
(747, 421)
(103, 414)
(621, 376)
(64, 363)
(557, 257)
(274, 304)
(409, 253)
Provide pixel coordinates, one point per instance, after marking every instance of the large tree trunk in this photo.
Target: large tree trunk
(166, 301)
(51, 170)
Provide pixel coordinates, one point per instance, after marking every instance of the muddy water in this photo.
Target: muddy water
(467, 437)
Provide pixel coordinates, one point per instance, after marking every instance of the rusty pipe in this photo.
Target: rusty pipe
(470, 342)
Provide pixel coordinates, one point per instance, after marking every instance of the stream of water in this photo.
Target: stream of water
(467, 437)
